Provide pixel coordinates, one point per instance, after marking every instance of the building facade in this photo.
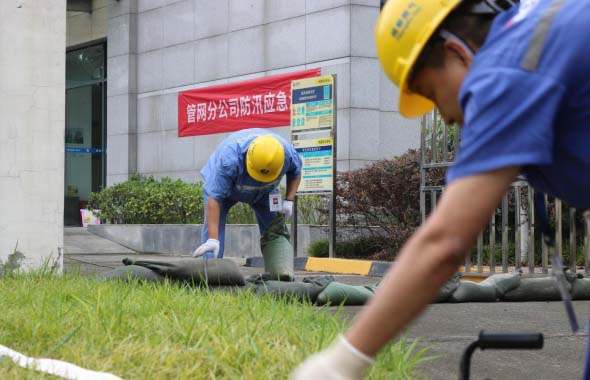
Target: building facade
(155, 48)
(32, 66)
(114, 112)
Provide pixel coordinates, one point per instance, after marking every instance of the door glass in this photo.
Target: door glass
(84, 131)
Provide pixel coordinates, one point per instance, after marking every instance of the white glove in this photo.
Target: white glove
(340, 361)
(211, 245)
(287, 208)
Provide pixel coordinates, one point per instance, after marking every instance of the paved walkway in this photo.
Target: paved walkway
(446, 328)
(88, 253)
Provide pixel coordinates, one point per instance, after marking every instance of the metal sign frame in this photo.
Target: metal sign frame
(314, 90)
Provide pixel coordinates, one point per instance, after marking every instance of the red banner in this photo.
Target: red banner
(258, 103)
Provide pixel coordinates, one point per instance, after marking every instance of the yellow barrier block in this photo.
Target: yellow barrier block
(476, 276)
(473, 278)
(342, 266)
(485, 269)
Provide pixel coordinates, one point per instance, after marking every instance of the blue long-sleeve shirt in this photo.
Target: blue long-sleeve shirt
(225, 173)
(537, 119)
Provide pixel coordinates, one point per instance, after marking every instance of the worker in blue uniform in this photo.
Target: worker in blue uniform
(246, 167)
(516, 77)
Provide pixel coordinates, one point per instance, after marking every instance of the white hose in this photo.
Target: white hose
(55, 367)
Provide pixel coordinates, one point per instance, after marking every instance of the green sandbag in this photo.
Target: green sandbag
(490, 290)
(277, 250)
(535, 289)
(581, 289)
(307, 290)
(214, 272)
(132, 272)
(503, 282)
(337, 293)
(469, 291)
(445, 292)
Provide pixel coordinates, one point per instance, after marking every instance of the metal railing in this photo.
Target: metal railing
(509, 242)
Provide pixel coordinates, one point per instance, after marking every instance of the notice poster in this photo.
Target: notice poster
(312, 132)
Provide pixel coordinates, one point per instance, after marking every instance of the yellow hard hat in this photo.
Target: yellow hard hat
(403, 29)
(265, 158)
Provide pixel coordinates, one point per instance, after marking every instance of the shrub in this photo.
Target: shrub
(147, 200)
(373, 248)
(241, 213)
(385, 194)
(313, 209)
(319, 248)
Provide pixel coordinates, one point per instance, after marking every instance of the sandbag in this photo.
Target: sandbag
(214, 272)
(307, 290)
(277, 250)
(131, 273)
(469, 291)
(535, 289)
(490, 290)
(337, 293)
(502, 282)
(581, 289)
(263, 277)
(445, 292)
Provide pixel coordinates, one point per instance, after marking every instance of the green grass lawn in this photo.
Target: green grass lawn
(146, 331)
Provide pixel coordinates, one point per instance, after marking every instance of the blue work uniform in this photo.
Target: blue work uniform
(227, 180)
(526, 100)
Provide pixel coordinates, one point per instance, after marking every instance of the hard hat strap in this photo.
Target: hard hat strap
(446, 35)
(492, 6)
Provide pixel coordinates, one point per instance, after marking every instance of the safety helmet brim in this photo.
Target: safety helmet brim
(412, 105)
(270, 177)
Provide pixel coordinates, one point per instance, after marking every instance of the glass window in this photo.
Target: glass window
(85, 66)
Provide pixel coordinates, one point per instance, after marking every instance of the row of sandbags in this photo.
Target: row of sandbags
(509, 287)
(213, 273)
(500, 287)
(324, 290)
(321, 290)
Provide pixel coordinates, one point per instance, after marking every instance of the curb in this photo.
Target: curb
(350, 266)
(338, 266)
(258, 262)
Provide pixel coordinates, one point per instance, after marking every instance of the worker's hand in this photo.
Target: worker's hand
(211, 245)
(287, 208)
(340, 361)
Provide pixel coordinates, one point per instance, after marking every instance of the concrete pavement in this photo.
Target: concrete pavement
(78, 241)
(448, 328)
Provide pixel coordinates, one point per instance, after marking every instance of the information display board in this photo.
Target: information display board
(313, 127)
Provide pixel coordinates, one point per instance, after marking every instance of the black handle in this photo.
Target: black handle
(498, 341)
(504, 341)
